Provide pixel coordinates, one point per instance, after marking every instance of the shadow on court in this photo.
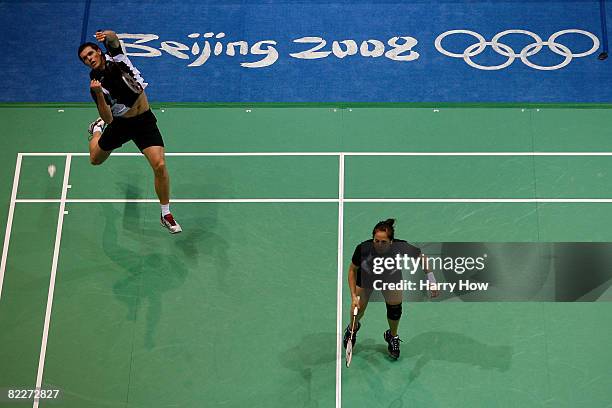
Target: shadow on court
(437, 346)
(441, 346)
(312, 352)
(455, 348)
(155, 262)
(151, 269)
(315, 350)
(200, 241)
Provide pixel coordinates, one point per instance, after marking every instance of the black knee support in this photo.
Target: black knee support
(394, 312)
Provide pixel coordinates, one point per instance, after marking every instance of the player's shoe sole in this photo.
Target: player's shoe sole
(96, 123)
(92, 126)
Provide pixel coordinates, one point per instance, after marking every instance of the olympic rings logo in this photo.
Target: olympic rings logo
(507, 51)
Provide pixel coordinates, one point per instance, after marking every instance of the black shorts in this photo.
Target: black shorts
(142, 129)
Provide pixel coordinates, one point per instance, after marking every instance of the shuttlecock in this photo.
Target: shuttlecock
(51, 170)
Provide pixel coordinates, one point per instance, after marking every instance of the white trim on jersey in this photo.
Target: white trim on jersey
(135, 72)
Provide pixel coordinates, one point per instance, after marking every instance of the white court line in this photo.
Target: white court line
(56, 250)
(184, 200)
(9, 222)
(251, 154)
(480, 154)
(324, 200)
(478, 200)
(209, 200)
(340, 283)
(198, 154)
(37, 200)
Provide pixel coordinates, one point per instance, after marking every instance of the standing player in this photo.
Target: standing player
(361, 280)
(118, 90)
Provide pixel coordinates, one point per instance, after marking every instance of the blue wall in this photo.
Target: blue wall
(40, 63)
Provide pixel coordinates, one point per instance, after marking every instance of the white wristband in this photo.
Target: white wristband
(430, 277)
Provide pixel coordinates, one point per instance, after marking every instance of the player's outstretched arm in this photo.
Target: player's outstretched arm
(352, 281)
(108, 37)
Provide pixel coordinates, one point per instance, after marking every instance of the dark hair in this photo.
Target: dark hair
(386, 226)
(85, 45)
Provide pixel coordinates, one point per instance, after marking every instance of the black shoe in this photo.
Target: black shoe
(393, 344)
(347, 334)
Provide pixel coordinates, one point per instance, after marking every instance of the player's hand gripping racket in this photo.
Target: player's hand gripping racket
(349, 344)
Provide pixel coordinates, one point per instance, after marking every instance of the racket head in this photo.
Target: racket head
(349, 344)
(349, 353)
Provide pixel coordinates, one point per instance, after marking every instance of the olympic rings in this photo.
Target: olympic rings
(505, 50)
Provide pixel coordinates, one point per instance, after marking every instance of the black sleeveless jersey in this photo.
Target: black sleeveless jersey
(121, 81)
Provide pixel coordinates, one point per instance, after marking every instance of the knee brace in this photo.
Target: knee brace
(394, 312)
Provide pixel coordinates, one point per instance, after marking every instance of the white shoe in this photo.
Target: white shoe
(169, 222)
(97, 125)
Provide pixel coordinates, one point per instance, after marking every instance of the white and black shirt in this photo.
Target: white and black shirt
(121, 81)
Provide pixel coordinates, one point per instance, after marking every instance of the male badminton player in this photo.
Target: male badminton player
(118, 90)
(361, 279)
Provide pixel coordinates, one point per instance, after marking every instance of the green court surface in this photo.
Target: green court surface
(241, 309)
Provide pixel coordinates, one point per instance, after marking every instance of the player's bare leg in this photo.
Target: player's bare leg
(393, 300)
(156, 157)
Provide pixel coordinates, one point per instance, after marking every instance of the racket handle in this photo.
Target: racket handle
(356, 310)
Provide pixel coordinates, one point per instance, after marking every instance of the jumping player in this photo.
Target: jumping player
(118, 90)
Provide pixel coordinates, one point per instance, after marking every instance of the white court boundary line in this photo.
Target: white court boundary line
(9, 222)
(324, 200)
(339, 289)
(254, 154)
(56, 250)
(340, 200)
(183, 200)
